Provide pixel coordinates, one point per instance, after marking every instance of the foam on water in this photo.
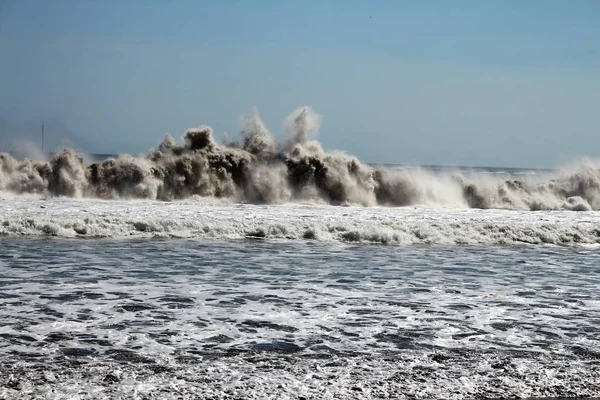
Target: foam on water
(156, 319)
(307, 311)
(383, 225)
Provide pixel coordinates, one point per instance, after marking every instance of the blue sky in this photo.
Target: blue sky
(492, 83)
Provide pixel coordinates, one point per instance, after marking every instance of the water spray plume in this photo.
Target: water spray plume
(260, 170)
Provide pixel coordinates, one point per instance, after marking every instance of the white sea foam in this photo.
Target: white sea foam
(225, 220)
(193, 319)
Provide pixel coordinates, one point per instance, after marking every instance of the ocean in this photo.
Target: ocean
(282, 271)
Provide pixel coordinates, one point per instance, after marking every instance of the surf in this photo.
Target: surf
(261, 170)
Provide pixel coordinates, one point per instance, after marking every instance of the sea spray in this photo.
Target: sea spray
(260, 170)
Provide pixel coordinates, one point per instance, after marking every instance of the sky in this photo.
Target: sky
(462, 82)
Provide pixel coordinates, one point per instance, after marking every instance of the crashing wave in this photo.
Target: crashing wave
(260, 170)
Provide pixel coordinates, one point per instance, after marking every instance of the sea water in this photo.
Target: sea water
(158, 300)
(266, 270)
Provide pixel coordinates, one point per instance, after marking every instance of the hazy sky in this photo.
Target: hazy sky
(433, 82)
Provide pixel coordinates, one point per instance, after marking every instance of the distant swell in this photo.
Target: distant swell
(260, 170)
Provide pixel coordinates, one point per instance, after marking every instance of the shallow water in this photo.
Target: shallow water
(172, 318)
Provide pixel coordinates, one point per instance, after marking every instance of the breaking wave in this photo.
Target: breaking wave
(262, 171)
(293, 222)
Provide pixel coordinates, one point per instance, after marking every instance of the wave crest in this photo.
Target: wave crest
(260, 170)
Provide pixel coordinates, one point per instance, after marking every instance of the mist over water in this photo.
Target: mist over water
(260, 170)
